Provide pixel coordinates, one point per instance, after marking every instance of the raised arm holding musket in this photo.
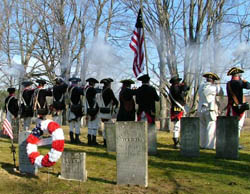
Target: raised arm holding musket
(237, 104)
(178, 93)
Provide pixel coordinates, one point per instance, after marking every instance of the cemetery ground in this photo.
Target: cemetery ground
(168, 171)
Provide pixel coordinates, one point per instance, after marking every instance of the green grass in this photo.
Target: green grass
(168, 171)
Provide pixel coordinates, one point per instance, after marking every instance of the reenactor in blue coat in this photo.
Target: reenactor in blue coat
(75, 109)
(92, 110)
(39, 100)
(146, 97)
(107, 102)
(27, 111)
(59, 90)
(11, 105)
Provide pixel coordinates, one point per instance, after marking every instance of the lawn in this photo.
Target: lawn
(168, 171)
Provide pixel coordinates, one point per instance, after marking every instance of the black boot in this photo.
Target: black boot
(94, 140)
(89, 140)
(104, 143)
(77, 140)
(176, 143)
(71, 135)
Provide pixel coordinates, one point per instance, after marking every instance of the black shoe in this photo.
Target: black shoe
(176, 143)
(77, 140)
(89, 140)
(71, 135)
(104, 143)
(94, 140)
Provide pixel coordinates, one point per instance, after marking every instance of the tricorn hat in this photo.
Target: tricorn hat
(11, 90)
(93, 80)
(106, 80)
(211, 75)
(27, 83)
(41, 81)
(175, 78)
(144, 78)
(127, 81)
(74, 79)
(235, 70)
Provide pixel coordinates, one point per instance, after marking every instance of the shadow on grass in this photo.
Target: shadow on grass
(205, 163)
(10, 169)
(101, 180)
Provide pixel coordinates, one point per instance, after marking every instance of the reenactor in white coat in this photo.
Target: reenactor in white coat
(208, 110)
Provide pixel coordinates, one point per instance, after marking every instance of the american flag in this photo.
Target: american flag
(7, 128)
(137, 45)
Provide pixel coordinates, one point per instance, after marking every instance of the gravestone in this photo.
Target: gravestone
(110, 129)
(73, 166)
(227, 140)
(132, 153)
(190, 136)
(24, 164)
(152, 139)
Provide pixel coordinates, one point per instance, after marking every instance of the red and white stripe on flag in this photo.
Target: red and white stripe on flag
(7, 128)
(137, 45)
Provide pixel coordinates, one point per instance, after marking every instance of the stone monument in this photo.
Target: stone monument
(73, 166)
(227, 140)
(24, 164)
(190, 136)
(110, 129)
(132, 153)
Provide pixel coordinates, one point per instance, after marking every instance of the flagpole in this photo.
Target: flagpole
(13, 151)
(145, 48)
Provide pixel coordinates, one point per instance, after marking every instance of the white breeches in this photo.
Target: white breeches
(177, 129)
(58, 118)
(75, 125)
(207, 130)
(93, 126)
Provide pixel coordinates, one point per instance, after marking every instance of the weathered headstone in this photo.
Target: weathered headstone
(152, 140)
(110, 129)
(73, 166)
(227, 140)
(190, 136)
(24, 164)
(132, 153)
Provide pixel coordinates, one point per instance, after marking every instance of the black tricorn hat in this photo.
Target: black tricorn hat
(41, 81)
(175, 78)
(127, 81)
(93, 80)
(58, 79)
(27, 83)
(144, 78)
(211, 75)
(106, 80)
(74, 79)
(11, 90)
(235, 70)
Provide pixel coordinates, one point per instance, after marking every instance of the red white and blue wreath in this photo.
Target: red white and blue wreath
(53, 128)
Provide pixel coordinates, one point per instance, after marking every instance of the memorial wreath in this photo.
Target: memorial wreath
(53, 128)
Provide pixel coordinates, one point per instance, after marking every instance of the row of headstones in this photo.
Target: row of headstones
(226, 135)
(133, 141)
